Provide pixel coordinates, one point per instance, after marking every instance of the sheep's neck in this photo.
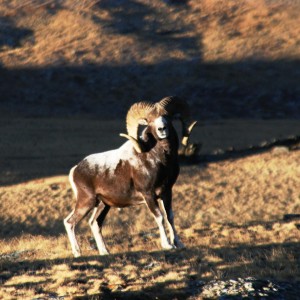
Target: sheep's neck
(166, 151)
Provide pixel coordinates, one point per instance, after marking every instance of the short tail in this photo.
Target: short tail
(71, 179)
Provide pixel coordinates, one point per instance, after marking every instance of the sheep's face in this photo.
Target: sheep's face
(161, 127)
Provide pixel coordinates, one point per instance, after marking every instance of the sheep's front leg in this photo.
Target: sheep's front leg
(166, 207)
(159, 218)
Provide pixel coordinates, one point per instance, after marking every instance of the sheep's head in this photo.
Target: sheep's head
(156, 116)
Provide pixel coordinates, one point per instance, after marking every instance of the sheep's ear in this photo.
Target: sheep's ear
(143, 122)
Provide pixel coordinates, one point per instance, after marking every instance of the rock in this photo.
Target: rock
(280, 150)
(241, 288)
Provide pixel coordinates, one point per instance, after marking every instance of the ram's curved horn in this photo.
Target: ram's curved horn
(135, 143)
(176, 106)
(138, 114)
(185, 138)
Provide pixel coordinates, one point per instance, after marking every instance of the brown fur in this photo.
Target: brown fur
(149, 178)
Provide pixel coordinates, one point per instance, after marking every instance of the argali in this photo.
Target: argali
(143, 170)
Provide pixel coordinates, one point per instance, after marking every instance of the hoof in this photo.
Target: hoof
(179, 245)
(168, 246)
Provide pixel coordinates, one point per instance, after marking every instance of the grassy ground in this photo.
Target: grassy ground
(69, 71)
(229, 214)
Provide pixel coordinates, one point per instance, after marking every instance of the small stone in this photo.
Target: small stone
(233, 281)
(248, 286)
(54, 186)
(280, 150)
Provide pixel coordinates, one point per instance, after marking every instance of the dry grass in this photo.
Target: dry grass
(229, 215)
(230, 60)
(219, 31)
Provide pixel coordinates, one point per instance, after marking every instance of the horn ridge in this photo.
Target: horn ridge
(137, 112)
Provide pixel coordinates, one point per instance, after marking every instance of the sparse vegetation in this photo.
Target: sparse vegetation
(229, 59)
(69, 71)
(238, 234)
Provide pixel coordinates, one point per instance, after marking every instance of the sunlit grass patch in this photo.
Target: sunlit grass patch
(240, 234)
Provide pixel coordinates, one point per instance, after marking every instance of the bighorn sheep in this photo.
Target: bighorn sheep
(143, 170)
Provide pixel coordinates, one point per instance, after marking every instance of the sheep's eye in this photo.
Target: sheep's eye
(160, 129)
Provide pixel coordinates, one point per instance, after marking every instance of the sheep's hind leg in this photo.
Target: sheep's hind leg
(96, 222)
(70, 228)
(72, 220)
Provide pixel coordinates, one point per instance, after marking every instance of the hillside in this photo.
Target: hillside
(229, 60)
(69, 70)
(233, 217)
